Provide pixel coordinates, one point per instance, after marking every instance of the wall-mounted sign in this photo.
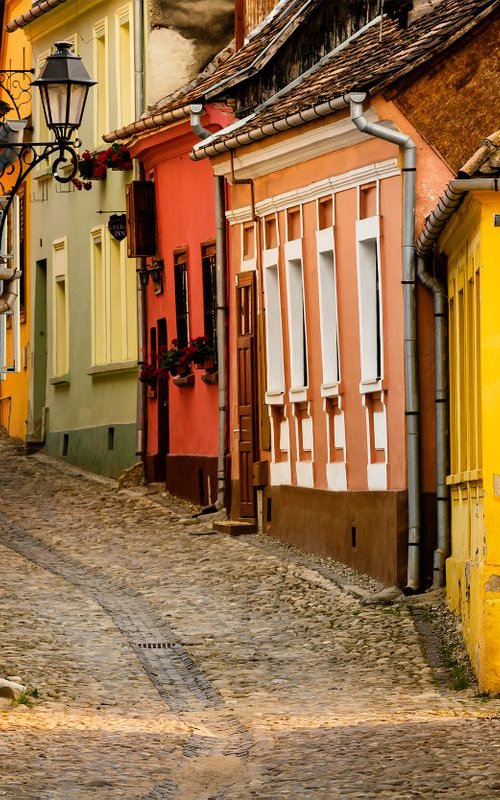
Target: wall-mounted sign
(117, 225)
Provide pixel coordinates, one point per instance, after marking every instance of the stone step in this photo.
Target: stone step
(235, 527)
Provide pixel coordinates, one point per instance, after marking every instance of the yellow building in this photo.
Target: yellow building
(471, 242)
(15, 54)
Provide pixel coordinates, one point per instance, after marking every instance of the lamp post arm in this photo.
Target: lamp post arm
(29, 155)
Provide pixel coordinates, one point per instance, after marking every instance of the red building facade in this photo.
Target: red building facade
(182, 420)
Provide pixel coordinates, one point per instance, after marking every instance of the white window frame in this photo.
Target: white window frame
(274, 327)
(124, 15)
(328, 311)
(62, 275)
(368, 230)
(15, 314)
(297, 343)
(100, 31)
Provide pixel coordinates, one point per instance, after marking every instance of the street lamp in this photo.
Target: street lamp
(64, 84)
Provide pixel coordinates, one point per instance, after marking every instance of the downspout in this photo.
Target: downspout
(10, 276)
(436, 221)
(221, 320)
(142, 315)
(410, 327)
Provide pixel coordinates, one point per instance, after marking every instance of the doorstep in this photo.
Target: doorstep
(236, 527)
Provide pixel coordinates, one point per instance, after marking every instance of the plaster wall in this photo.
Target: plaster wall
(432, 176)
(15, 53)
(83, 403)
(473, 570)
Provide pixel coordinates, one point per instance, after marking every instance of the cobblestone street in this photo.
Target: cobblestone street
(175, 664)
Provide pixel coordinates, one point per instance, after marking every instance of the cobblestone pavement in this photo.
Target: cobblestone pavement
(172, 664)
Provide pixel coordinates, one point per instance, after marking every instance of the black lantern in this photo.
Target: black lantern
(64, 84)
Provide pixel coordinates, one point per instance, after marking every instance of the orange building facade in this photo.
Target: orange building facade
(15, 354)
(317, 341)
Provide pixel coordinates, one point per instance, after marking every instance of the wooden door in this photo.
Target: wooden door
(247, 378)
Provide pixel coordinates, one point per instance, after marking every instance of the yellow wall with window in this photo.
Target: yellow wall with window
(15, 53)
(472, 245)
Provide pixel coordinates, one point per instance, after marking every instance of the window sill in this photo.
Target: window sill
(60, 380)
(275, 398)
(331, 389)
(368, 387)
(298, 395)
(465, 477)
(112, 368)
(43, 173)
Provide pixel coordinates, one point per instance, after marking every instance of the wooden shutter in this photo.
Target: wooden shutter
(141, 219)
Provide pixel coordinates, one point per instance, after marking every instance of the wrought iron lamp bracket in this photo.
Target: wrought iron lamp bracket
(24, 157)
(15, 89)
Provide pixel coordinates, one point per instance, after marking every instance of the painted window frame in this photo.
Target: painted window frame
(297, 335)
(60, 277)
(178, 252)
(275, 363)
(100, 30)
(328, 307)
(370, 307)
(124, 15)
(100, 235)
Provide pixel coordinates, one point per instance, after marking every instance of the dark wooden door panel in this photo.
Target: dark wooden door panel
(247, 406)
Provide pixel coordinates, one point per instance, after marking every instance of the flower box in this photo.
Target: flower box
(211, 378)
(183, 381)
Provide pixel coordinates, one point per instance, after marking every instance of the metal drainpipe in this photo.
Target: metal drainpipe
(436, 221)
(441, 401)
(221, 321)
(410, 328)
(142, 317)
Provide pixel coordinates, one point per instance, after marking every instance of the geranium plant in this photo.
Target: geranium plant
(202, 350)
(94, 166)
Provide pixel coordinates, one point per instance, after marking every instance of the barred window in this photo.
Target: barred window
(208, 261)
(181, 297)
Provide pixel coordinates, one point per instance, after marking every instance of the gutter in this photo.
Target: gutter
(34, 12)
(410, 328)
(10, 276)
(222, 313)
(148, 123)
(434, 225)
(270, 128)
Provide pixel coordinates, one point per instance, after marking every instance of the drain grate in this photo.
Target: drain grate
(154, 645)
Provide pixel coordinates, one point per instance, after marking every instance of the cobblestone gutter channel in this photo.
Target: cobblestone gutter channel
(177, 679)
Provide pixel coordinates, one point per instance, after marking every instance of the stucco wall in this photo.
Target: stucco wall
(86, 403)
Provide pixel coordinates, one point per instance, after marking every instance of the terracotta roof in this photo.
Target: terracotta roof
(363, 63)
(255, 54)
(486, 159)
(37, 10)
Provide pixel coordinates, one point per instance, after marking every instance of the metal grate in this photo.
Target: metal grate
(154, 645)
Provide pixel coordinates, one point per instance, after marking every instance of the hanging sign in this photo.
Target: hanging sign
(117, 226)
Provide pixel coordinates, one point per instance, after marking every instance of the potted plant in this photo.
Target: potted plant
(94, 166)
(202, 352)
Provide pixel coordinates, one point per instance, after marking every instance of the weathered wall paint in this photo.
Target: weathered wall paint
(452, 105)
(182, 39)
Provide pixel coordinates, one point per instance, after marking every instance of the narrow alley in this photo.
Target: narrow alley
(170, 663)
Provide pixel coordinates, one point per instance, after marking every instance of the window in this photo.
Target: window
(60, 350)
(370, 301)
(208, 266)
(101, 90)
(125, 65)
(274, 335)
(181, 297)
(328, 308)
(296, 315)
(114, 336)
